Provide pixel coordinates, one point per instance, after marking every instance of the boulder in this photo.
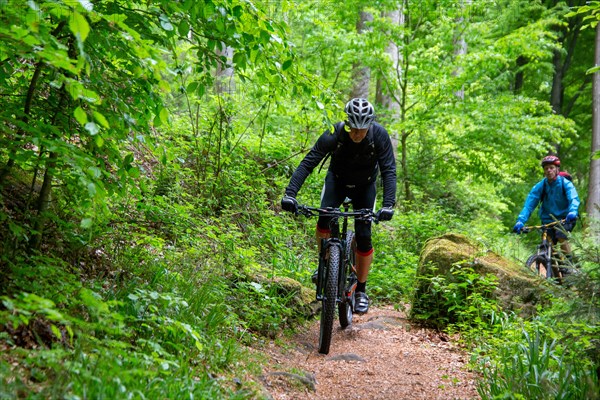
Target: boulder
(517, 290)
(302, 300)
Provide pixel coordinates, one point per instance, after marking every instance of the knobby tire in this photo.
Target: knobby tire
(536, 266)
(541, 268)
(346, 306)
(329, 300)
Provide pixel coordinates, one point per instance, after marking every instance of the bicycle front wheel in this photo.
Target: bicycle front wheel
(537, 265)
(329, 299)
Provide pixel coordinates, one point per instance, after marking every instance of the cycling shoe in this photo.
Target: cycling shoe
(362, 303)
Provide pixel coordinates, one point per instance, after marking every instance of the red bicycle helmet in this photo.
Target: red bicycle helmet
(551, 160)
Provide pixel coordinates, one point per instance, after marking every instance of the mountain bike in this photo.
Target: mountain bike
(544, 263)
(336, 274)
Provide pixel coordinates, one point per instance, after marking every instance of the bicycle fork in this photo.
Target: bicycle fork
(323, 270)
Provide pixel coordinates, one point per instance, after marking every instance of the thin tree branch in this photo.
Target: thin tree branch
(582, 89)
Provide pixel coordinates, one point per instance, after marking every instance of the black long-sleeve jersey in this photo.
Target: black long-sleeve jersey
(352, 163)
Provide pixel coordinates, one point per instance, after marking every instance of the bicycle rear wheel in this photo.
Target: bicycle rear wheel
(329, 299)
(346, 306)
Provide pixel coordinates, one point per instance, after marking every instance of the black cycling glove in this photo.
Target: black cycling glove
(288, 203)
(385, 214)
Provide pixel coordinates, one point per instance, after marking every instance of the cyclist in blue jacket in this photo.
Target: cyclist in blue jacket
(559, 200)
(360, 150)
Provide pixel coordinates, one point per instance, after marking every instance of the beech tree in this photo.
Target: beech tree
(593, 200)
(361, 73)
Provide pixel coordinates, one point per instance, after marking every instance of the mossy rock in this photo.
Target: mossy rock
(302, 299)
(518, 290)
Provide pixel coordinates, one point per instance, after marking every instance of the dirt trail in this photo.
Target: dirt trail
(380, 357)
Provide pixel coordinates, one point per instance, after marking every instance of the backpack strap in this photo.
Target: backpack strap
(337, 131)
(544, 189)
(543, 192)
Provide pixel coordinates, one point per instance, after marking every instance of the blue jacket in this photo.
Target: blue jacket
(560, 198)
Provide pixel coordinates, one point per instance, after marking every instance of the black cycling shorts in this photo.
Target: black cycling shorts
(362, 196)
(558, 232)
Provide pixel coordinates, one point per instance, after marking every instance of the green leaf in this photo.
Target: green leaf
(593, 70)
(56, 331)
(220, 23)
(287, 64)
(91, 187)
(94, 172)
(596, 155)
(101, 119)
(265, 37)
(164, 115)
(183, 28)
(134, 172)
(128, 160)
(74, 88)
(209, 9)
(191, 88)
(86, 223)
(99, 141)
(239, 59)
(79, 26)
(80, 115)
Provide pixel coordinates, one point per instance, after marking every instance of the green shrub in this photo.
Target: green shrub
(534, 365)
(463, 301)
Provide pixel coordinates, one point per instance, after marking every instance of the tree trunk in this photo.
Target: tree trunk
(562, 59)
(224, 82)
(361, 75)
(42, 203)
(407, 192)
(556, 94)
(26, 111)
(460, 44)
(593, 201)
(384, 95)
(394, 98)
(521, 62)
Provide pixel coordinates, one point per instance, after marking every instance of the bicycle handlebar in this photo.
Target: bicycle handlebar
(364, 214)
(527, 229)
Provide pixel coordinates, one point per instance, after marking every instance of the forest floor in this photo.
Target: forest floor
(380, 356)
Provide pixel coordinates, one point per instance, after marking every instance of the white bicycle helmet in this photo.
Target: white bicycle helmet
(360, 113)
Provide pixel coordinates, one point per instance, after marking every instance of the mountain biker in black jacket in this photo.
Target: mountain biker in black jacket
(360, 149)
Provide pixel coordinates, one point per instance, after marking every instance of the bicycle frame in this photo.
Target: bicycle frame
(338, 238)
(336, 280)
(544, 256)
